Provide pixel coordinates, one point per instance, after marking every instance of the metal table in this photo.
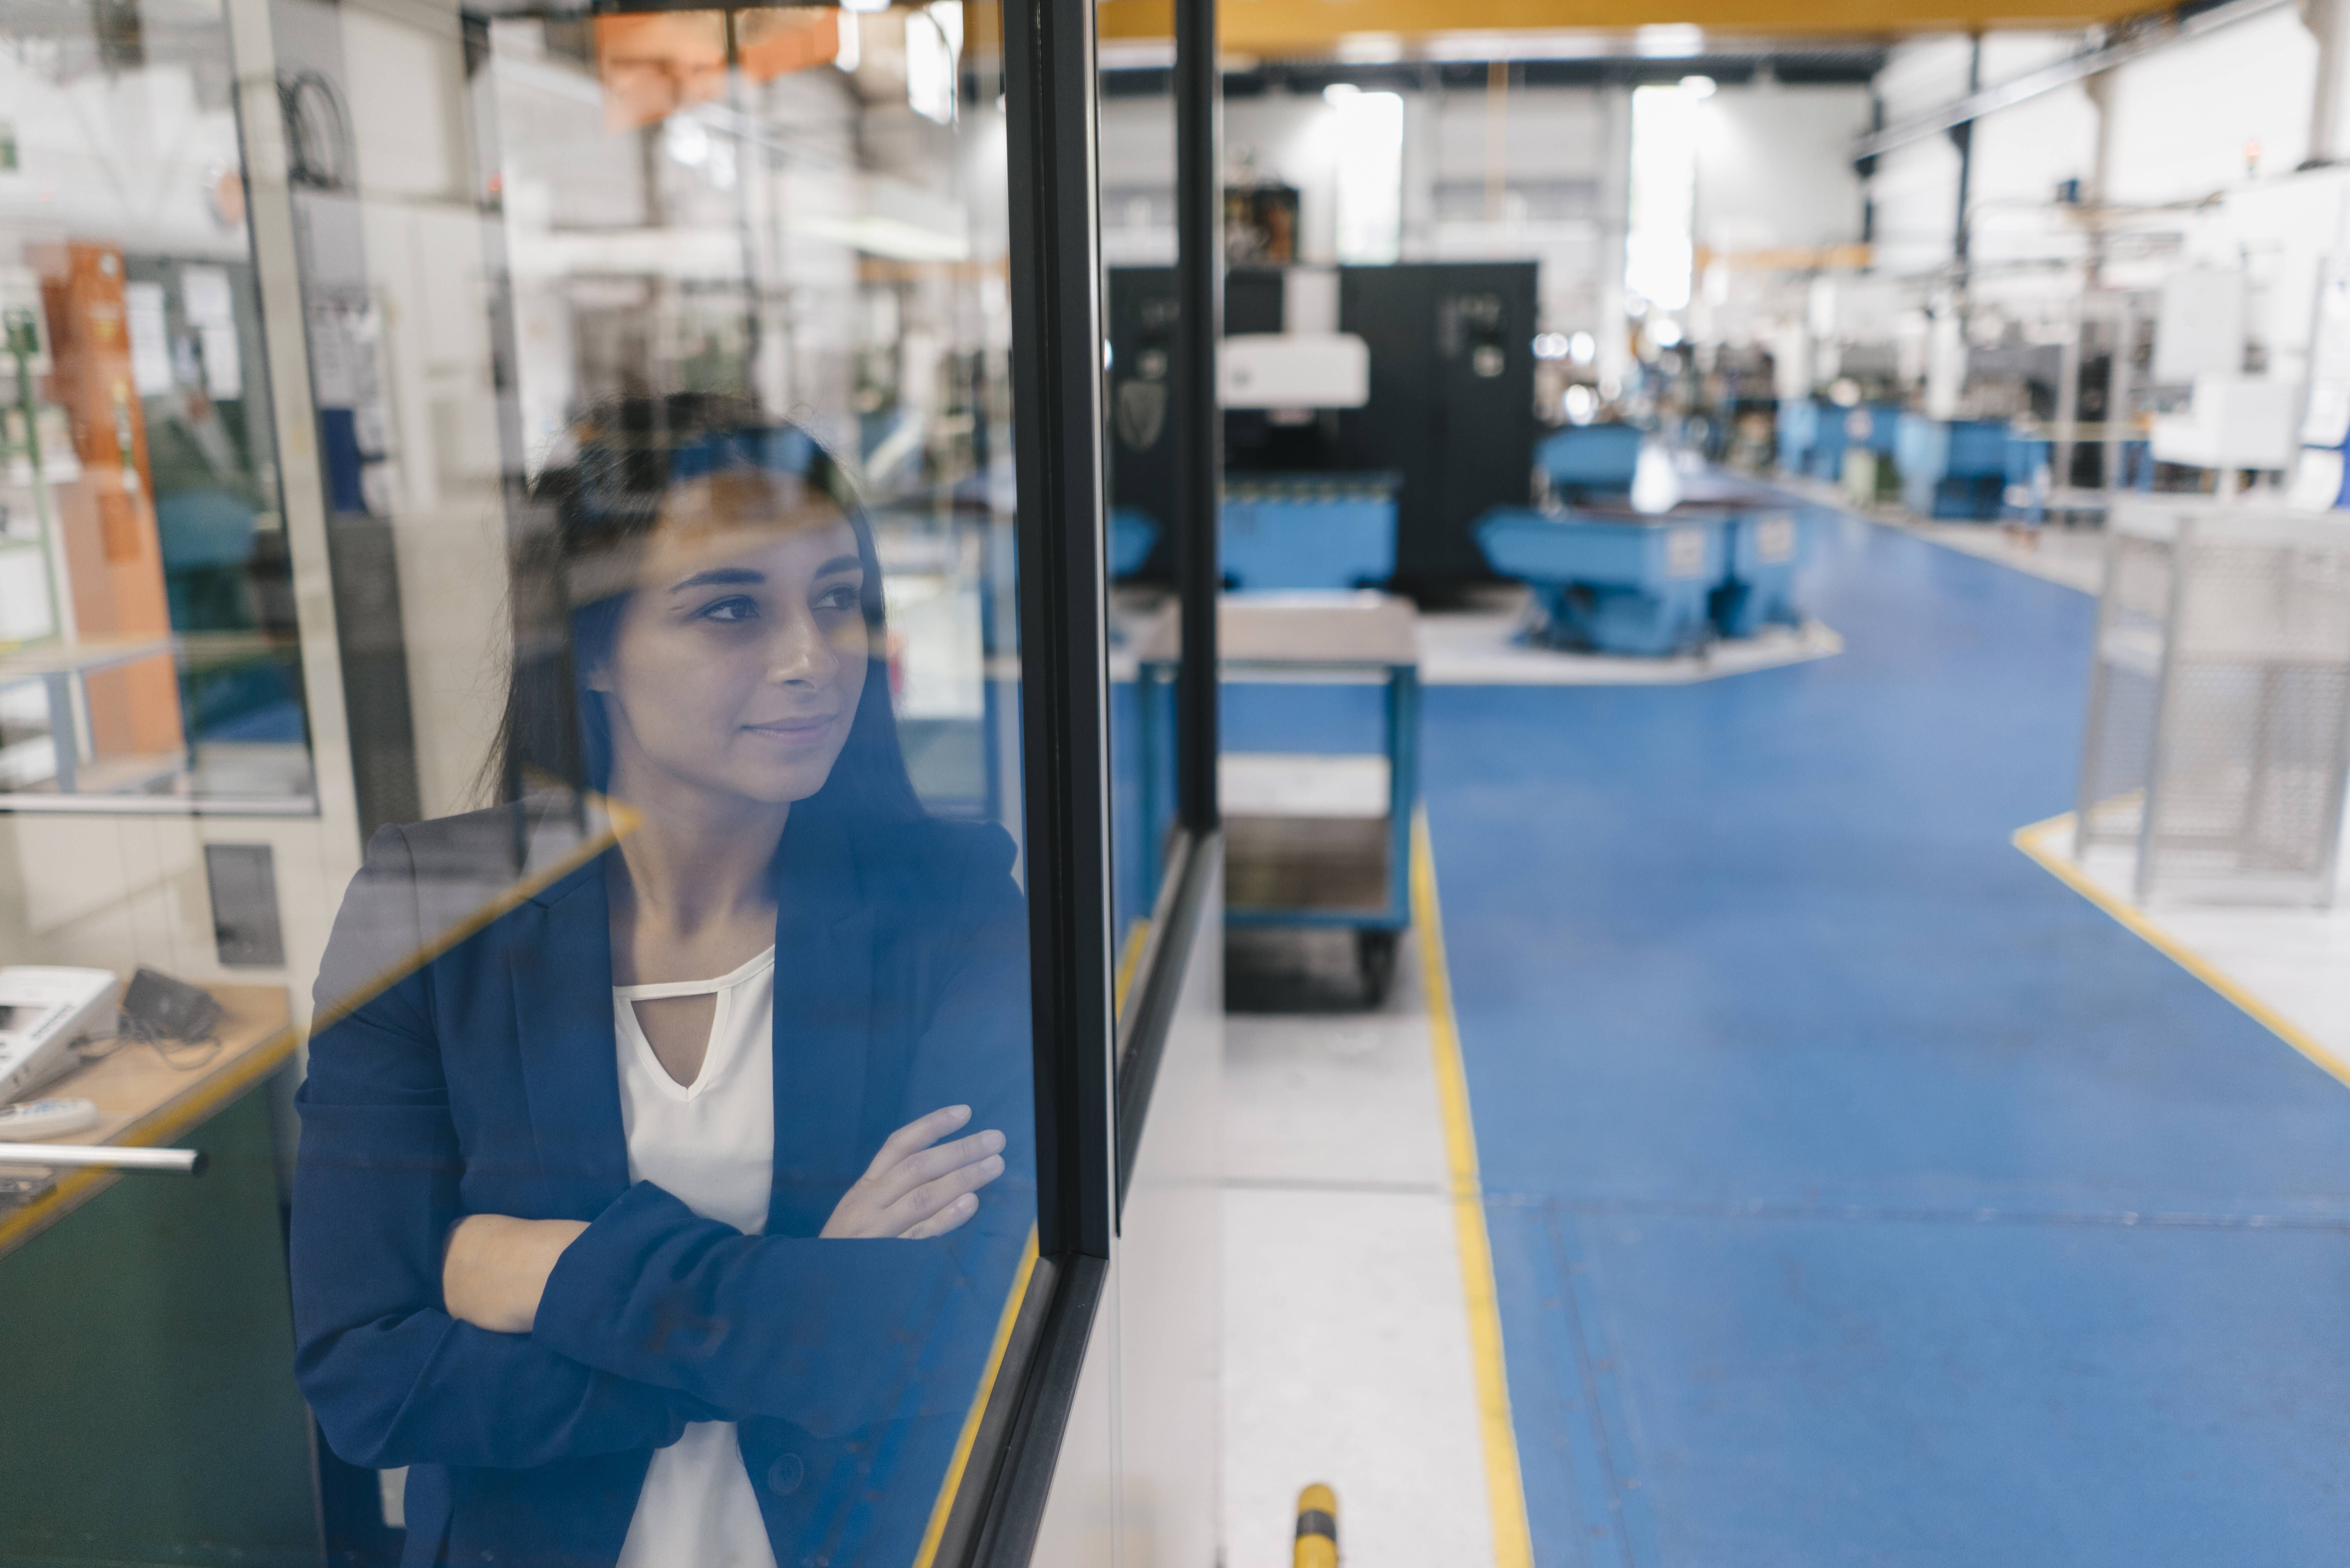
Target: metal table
(1309, 841)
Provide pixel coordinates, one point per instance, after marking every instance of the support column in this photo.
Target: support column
(1199, 416)
(2329, 22)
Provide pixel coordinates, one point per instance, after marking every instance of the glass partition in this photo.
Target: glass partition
(1141, 439)
(509, 535)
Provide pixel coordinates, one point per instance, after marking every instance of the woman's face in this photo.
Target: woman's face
(738, 663)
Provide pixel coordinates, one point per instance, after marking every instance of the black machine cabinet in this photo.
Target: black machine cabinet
(1451, 406)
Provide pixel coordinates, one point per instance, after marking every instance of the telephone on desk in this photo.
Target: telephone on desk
(46, 1011)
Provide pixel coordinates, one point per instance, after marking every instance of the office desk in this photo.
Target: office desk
(150, 1414)
(146, 1102)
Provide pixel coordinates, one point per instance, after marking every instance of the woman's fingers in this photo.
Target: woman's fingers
(930, 1164)
(917, 1187)
(945, 1220)
(932, 1197)
(918, 1135)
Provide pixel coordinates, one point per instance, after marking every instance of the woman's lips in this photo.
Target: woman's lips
(796, 731)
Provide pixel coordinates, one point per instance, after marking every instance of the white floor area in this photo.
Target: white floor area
(2292, 962)
(1346, 1355)
(1481, 647)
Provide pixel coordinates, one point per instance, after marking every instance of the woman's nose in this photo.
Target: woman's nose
(802, 653)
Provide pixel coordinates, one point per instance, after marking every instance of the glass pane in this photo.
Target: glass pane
(1138, 252)
(662, 1168)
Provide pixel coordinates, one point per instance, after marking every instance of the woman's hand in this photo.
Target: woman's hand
(913, 1190)
(494, 1268)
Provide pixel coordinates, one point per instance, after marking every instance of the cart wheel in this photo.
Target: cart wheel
(1375, 960)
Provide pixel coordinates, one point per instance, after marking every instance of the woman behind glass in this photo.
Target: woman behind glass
(651, 1199)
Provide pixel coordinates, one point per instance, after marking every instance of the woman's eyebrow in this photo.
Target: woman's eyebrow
(717, 575)
(840, 564)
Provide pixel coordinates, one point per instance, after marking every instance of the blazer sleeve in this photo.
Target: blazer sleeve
(832, 1335)
(391, 1376)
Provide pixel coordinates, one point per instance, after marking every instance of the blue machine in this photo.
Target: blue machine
(1308, 530)
(1799, 432)
(1586, 460)
(1831, 435)
(1765, 551)
(1615, 582)
(1132, 533)
(1952, 468)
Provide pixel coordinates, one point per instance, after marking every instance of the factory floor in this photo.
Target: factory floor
(1856, 1189)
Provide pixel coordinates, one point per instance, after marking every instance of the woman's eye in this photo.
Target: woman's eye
(729, 610)
(843, 597)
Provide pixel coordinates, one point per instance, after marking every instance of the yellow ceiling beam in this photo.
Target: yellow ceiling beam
(1279, 28)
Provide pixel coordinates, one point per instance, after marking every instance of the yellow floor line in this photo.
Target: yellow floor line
(1137, 935)
(2040, 840)
(952, 1483)
(1504, 1483)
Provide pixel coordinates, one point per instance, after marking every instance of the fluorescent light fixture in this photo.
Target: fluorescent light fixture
(1338, 94)
(1369, 48)
(864, 5)
(1699, 88)
(1668, 40)
(850, 52)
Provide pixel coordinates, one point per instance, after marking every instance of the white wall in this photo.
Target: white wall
(2184, 117)
(1775, 167)
(1775, 172)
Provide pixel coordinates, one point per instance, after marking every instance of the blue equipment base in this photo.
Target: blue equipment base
(1613, 586)
(1309, 531)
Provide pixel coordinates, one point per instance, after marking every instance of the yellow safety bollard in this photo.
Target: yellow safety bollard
(1317, 1528)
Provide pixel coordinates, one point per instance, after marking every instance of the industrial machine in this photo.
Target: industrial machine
(1308, 530)
(1611, 579)
(1661, 564)
(1579, 462)
(1442, 421)
(1952, 468)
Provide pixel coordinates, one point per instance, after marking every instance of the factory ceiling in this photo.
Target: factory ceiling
(1441, 28)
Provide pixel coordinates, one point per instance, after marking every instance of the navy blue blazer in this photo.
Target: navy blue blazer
(478, 1073)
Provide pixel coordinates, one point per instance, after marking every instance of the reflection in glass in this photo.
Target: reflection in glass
(147, 633)
(666, 1156)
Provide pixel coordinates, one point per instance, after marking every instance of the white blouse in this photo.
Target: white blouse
(712, 1145)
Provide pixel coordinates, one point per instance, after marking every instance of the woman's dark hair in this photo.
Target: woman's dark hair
(590, 521)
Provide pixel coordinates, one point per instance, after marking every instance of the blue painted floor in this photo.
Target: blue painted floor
(1858, 1193)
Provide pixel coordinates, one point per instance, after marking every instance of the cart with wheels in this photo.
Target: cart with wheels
(1309, 840)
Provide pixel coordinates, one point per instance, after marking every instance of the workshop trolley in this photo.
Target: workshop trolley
(1309, 840)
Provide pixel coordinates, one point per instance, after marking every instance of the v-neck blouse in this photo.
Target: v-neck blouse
(712, 1145)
